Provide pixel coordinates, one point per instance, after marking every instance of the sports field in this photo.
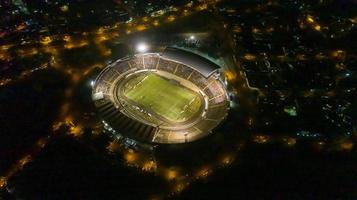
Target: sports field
(167, 99)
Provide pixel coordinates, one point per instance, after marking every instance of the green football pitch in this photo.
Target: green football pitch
(167, 99)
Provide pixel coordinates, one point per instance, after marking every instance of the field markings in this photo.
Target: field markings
(160, 100)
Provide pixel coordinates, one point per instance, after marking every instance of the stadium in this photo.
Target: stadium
(174, 96)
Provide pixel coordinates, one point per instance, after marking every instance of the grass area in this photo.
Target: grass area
(167, 99)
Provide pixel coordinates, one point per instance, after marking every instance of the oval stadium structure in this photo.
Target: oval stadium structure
(170, 97)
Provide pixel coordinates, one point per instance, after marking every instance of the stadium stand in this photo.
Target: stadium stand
(167, 65)
(120, 115)
(150, 61)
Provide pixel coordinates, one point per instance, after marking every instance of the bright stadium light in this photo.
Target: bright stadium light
(142, 47)
(192, 37)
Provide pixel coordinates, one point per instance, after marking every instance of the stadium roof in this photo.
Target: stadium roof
(201, 64)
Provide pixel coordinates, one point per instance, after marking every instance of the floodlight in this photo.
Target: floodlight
(142, 47)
